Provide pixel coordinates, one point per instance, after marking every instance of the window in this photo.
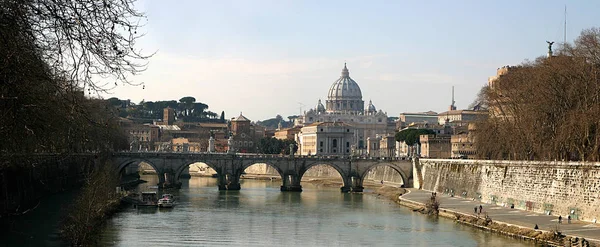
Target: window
(334, 150)
(321, 144)
(347, 144)
(347, 150)
(320, 150)
(310, 119)
(379, 120)
(334, 143)
(321, 130)
(347, 130)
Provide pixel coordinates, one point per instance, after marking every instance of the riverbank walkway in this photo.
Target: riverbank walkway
(507, 215)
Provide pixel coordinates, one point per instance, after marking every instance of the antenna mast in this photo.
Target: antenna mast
(565, 27)
(452, 95)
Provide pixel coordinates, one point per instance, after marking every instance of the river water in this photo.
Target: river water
(261, 215)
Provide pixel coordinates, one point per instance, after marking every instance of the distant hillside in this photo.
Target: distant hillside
(272, 123)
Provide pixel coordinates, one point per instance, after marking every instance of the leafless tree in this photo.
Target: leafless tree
(86, 41)
(548, 109)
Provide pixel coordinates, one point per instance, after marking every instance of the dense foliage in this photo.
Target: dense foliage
(273, 123)
(412, 136)
(187, 109)
(548, 109)
(275, 146)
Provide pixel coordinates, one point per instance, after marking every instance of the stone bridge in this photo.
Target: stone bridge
(229, 167)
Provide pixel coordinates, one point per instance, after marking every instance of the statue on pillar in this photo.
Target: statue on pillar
(211, 145)
(292, 149)
(230, 145)
(550, 43)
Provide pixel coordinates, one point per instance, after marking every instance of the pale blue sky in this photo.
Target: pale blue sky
(269, 57)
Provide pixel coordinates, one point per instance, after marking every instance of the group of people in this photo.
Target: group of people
(568, 219)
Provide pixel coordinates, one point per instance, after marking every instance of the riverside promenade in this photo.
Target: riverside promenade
(507, 215)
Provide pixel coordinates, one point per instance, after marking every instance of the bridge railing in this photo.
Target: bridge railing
(263, 156)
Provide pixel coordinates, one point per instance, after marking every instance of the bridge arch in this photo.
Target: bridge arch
(187, 164)
(249, 164)
(385, 164)
(339, 170)
(128, 162)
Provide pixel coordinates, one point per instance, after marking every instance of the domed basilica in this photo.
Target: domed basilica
(344, 107)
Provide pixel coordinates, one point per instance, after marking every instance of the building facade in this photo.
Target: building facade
(243, 135)
(328, 138)
(407, 119)
(435, 146)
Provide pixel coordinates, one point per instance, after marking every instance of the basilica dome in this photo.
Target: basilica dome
(344, 95)
(344, 88)
(371, 108)
(320, 107)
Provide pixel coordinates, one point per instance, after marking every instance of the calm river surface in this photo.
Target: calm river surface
(261, 215)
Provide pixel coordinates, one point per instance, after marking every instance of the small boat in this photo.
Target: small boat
(148, 199)
(166, 201)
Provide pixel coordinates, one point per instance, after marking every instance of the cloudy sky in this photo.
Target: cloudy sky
(264, 58)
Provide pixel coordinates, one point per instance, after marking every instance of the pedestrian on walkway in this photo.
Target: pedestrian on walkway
(569, 219)
(475, 208)
(559, 219)
(480, 208)
(536, 227)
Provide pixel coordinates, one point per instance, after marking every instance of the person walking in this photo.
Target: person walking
(475, 209)
(569, 219)
(559, 219)
(480, 208)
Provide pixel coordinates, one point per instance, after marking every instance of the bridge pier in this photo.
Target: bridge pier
(229, 182)
(352, 184)
(291, 182)
(168, 180)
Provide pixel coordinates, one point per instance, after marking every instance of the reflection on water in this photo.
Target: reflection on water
(261, 215)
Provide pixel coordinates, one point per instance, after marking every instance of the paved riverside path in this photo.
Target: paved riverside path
(507, 215)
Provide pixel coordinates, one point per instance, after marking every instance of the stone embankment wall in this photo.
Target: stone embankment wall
(24, 180)
(555, 188)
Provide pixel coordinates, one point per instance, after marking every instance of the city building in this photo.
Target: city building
(141, 136)
(287, 133)
(243, 134)
(406, 119)
(435, 146)
(327, 138)
(460, 117)
(344, 104)
(463, 144)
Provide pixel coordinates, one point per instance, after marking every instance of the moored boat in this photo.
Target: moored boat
(166, 201)
(148, 199)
